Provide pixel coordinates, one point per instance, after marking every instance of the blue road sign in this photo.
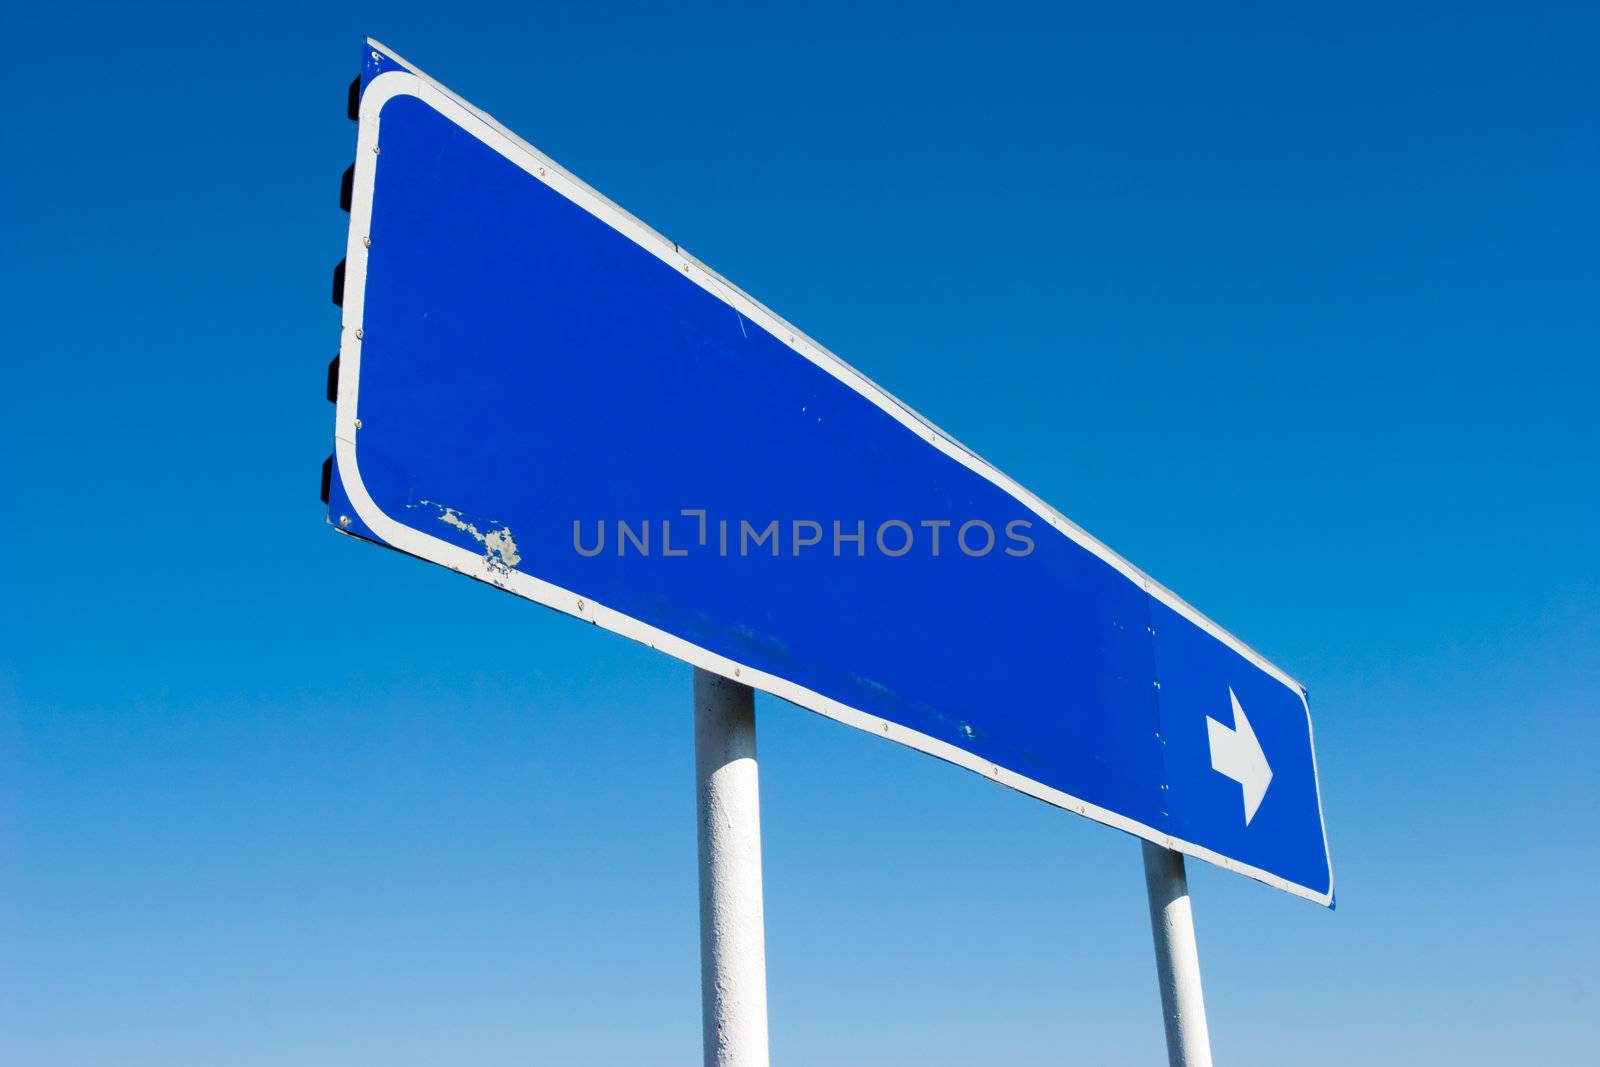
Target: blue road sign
(537, 390)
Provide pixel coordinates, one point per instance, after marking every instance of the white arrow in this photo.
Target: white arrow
(1237, 754)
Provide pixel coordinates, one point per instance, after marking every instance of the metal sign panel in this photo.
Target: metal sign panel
(537, 390)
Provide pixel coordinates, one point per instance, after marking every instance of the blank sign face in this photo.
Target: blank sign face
(538, 391)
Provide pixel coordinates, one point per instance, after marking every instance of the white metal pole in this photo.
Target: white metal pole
(1177, 958)
(733, 955)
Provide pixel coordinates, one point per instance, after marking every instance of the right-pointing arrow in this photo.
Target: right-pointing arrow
(1236, 753)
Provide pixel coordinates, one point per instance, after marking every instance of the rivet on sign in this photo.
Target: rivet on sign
(376, 57)
(358, 333)
(736, 672)
(358, 424)
(580, 603)
(344, 520)
(366, 242)
(374, 149)
(541, 172)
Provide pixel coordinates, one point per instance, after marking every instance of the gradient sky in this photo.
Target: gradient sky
(269, 795)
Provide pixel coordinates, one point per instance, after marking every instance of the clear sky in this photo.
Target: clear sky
(271, 796)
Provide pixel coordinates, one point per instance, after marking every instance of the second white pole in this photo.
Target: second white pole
(733, 954)
(1183, 1005)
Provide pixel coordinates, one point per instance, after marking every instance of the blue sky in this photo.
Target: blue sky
(268, 795)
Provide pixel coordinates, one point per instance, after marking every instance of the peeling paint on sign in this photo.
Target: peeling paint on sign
(499, 547)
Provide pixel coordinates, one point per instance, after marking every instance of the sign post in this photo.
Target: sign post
(1183, 1006)
(537, 390)
(733, 955)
